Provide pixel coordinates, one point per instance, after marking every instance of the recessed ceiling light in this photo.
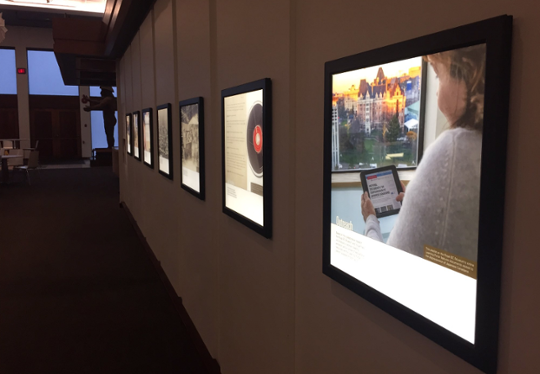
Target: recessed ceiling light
(91, 6)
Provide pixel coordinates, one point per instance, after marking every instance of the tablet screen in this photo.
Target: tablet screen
(383, 191)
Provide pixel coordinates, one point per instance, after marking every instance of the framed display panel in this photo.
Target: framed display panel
(436, 265)
(165, 147)
(192, 140)
(148, 137)
(129, 145)
(137, 135)
(246, 124)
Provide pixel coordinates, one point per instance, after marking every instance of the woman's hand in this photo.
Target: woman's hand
(401, 195)
(367, 206)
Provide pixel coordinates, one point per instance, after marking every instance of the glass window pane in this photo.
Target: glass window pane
(376, 116)
(8, 72)
(96, 91)
(44, 76)
(99, 138)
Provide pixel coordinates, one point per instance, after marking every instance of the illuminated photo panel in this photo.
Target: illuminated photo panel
(129, 148)
(164, 127)
(192, 154)
(412, 132)
(148, 138)
(137, 135)
(246, 134)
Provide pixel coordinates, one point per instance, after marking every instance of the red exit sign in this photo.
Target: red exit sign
(21, 71)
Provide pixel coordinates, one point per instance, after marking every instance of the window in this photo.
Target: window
(44, 76)
(96, 91)
(8, 72)
(99, 138)
(385, 130)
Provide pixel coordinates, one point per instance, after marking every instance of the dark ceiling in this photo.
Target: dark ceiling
(87, 50)
(35, 19)
(86, 47)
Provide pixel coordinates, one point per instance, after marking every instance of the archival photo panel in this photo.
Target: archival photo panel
(136, 134)
(189, 115)
(147, 140)
(128, 134)
(164, 140)
(243, 142)
(423, 117)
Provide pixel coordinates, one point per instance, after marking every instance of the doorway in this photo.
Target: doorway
(55, 123)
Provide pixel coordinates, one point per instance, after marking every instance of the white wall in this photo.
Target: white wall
(264, 306)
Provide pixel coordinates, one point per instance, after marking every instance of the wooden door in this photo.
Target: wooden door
(9, 117)
(41, 128)
(67, 139)
(56, 124)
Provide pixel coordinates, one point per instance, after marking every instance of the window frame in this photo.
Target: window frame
(15, 55)
(28, 72)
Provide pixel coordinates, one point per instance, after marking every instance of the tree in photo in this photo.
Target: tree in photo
(342, 112)
(393, 130)
(412, 136)
(356, 136)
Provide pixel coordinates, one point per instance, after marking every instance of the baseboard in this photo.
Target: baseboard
(210, 363)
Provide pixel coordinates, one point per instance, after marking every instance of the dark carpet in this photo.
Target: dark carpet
(78, 294)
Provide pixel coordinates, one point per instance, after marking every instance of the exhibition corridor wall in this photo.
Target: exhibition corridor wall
(264, 305)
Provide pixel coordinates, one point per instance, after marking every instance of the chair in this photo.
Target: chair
(33, 149)
(14, 162)
(33, 164)
(7, 144)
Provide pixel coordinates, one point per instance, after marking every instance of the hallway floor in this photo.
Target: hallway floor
(78, 294)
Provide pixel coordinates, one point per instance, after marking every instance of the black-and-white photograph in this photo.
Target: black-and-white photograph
(192, 140)
(164, 140)
(136, 136)
(190, 137)
(128, 134)
(147, 133)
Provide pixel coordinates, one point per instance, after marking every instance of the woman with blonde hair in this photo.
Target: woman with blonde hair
(441, 207)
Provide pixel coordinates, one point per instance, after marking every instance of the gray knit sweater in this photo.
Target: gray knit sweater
(441, 205)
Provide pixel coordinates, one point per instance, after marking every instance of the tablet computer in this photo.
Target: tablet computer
(382, 186)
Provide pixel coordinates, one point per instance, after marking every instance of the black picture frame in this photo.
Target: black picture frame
(169, 135)
(151, 136)
(391, 168)
(264, 85)
(199, 101)
(136, 119)
(496, 33)
(129, 135)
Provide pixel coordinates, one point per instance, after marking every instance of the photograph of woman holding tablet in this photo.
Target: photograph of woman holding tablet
(441, 204)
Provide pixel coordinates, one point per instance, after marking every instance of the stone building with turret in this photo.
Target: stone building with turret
(383, 98)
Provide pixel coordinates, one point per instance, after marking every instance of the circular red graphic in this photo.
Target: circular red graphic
(257, 139)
